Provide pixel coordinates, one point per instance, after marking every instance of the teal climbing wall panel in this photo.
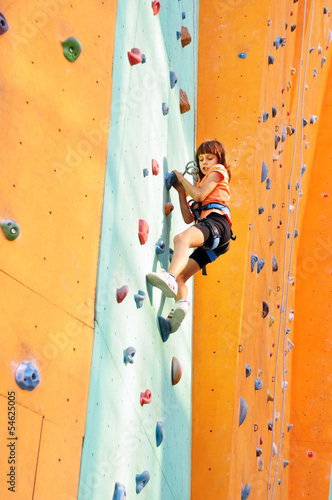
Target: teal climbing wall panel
(120, 437)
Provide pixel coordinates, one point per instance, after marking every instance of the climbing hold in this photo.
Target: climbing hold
(155, 167)
(291, 208)
(168, 208)
(11, 229)
(265, 116)
(155, 7)
(296, 233)
(143, 231)
(164, 328)
(184, 102)
(165, 108)
(258, 384)
(260, 464)
(325, 11)
(254, 259)
(315, 72)
(136, 56)
(269, 396)
(119, 492)
(259, 451)
(274, 111)
(271, 59)
(265, 311)
(322, 61)
(260, 265)
(270, 426)
(272, 240)
(293, 27)
(139, 298)
(170, 179)
(173, 79)
(160, 247)
(248, 370)
(142, 480)
(170, 254)
(271, 320)
(160, 433)
(145, 397)
(283, 133)
(304, 122)
(289, 426)
(279, 41)
(128, 355)
(145, 172)
(27, 376)
(245, 492)
(176, 371)
(277, 139)
(274, 449)
(313, 118)
(71, 48)
(183, 15)
(242, 55)
(310, 454)
(3, 24)
(291, 316)
(185, 36)
(243, 409)
(268, 183)
(293, 71)
(121, 293)
(260, 210)
(275, 266)
(178, 35)
(264, 171)
(290, 345)
(284, 385)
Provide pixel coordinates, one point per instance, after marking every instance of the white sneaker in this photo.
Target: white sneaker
(165, 282)
(177, 314)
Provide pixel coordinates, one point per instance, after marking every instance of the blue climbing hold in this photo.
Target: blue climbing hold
(3, 24)
(264, 171)
(248, 370)
(170, 254)
(303, 169)
(128, 355)
(242, 411)
(178, 35)
(173, 79)
(242, 55)
(322, 61)
(315, 72)
(258, 384)
(265, 116)
(145, 172)
(139, 298)
(165, 108)
(170, 179)
(27, 376)
(160, 247)
(119, 492)
(286, 463)
(271, 59)
(254, 259)
(260, 265)
(325, 11)
(164, 328)
(260, 210)
(142, 480)
(268, 183)
(245, 492)
(160, 433)
(183, 15)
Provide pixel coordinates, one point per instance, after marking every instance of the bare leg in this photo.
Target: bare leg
(191, 268)
(190, 238)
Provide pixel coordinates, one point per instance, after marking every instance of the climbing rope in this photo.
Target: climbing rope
(285, 309)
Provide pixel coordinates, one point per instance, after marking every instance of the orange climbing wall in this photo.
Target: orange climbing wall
(229, 331)
(54, 122)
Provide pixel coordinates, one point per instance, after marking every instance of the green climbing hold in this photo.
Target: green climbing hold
(11, 229)
(72, 48)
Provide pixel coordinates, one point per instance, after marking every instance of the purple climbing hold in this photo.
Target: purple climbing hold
(260, 265)
(3, 24)
(128, 355)
(160, 433)
(119, 492)
(142, 480)
(243, 409)
(245, 492)
(264, 171)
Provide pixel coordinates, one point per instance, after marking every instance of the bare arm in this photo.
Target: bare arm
(199, 193)
(186, 214)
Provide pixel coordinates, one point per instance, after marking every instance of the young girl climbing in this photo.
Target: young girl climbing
(210, 234)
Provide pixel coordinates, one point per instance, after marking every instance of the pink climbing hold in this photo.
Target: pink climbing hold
(143, 231)
(168, 207)
(155, 167)
(176, 371)
(155, 7)
(145, 397)
(121, 293)
(135, 56)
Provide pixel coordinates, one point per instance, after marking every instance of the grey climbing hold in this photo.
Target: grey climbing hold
(283, 133)
(27, 376)
(259, 451)
(270, 426)
(139, 298)
(265, 116)
(243, 409)
(296, 233)
(142, 480)
(264, 171)
(258, 384)
(165, 108)
(10, 228)
(3, 24)
(260, 265)
(289, 426)
(273, 206)
(254, 259)
(245, 492)
(313, 119)
(268, 183)
(128, 355)
(271, 59)
(274, 111)
(119, 492)
(279, 41)
(173, 79)
(242, 55)
(160, 433)
(305, 122)
(293, 27)
(322, 61)
(248, 370)
(265, 310)
(260, 210)
(275, 266)
(315, 72)
(160, 247)
(325, 11)
(277, 139)
(145, 172)
(286, 463)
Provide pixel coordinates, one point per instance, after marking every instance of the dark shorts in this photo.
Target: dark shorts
(204, 257)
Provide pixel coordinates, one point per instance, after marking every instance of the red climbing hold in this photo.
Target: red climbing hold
(155, 7)
(155, 167)
(143, 231)
(135, 56)
(121, 293)
(145, 397)
(168, 207)
(185, 36)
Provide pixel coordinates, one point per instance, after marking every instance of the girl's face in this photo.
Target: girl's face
(206, 161)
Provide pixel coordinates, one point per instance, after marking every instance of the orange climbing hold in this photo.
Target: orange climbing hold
(168, 207)
(185, 36)
(184, 102)
(143, 231)
(155, 167)
(135, 56)
(176, 371)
